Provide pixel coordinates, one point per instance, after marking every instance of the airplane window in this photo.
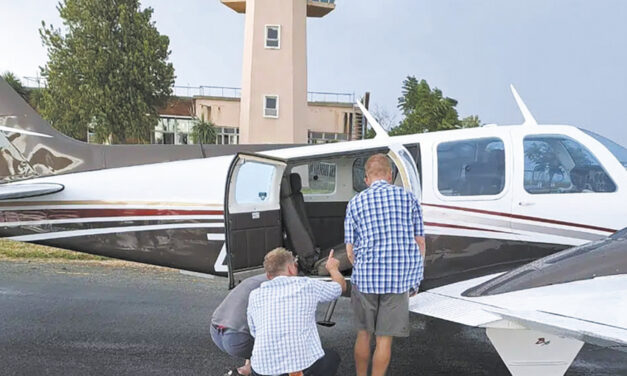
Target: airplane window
(317, 177)
(471, 167)
(619, 152)
(558, 164)
(254, 182)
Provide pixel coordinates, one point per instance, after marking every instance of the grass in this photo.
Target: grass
(17, 250)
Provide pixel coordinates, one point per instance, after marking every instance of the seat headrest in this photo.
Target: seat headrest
(295, 183)
(286, 188)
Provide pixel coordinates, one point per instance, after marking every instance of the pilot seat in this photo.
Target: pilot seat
(298, 234)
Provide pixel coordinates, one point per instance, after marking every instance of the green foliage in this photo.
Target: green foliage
(470, 122)
(203, 132)
(428, 110)
(16, 84)
(107, 69)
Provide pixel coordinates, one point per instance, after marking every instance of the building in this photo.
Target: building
(273, 105)
(176, 121)
(330, 117)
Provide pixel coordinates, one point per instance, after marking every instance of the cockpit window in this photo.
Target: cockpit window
(558, 164)
(471, 167)
(619, 152)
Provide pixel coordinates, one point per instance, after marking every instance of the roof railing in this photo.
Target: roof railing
(235, 92)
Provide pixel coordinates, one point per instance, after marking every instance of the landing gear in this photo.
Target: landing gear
(328, 315)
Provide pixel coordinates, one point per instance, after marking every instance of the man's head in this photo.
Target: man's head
(378, 168)
(279, 262)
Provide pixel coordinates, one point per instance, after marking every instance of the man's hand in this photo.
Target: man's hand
(333, 267)
(332, 264)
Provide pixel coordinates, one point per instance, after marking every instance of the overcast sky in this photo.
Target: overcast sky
(567, 58)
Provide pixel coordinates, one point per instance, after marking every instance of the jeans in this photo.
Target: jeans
(234, 343)
(325, 366)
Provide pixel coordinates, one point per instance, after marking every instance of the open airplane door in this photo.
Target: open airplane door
(252, 212)
(407, 168)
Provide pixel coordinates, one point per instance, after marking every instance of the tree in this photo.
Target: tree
(203, 132)
(428, 110)
(383, 117)
(16, 84)
(470, 122)
(108, 70)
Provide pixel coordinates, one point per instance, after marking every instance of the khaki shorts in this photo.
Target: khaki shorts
(381, 314)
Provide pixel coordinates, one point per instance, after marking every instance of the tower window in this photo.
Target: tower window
(271, 106)
(273, 36)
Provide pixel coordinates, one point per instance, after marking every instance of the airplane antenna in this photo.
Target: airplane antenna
(529, 119)
(378, 128)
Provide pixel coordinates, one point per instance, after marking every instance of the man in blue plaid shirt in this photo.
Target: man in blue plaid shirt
(384, 236)
(282, 318)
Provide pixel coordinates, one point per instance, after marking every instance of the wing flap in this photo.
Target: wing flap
(452, 309)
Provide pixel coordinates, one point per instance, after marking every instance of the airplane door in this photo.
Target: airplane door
(407, 168)
(252, 212)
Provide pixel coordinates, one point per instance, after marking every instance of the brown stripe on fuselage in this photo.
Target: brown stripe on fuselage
(524, 217)
(27, 215)
(448, 225)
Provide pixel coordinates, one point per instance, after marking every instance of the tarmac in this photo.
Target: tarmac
(92, 318)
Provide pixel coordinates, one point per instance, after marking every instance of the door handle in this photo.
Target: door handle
(526, 203)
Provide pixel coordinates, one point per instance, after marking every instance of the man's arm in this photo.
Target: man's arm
(350, 253)
(249, 318)
(333, 267)
(422, 245)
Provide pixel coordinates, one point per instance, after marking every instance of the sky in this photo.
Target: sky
(566, 58)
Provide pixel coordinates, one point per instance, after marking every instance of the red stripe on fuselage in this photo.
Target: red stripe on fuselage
(524, 217)
(52, 214)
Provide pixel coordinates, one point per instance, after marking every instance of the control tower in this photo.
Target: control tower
(274, 70)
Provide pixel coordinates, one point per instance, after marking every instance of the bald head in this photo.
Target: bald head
(378, 168)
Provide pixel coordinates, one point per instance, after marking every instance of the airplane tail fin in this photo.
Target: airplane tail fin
(29, 146)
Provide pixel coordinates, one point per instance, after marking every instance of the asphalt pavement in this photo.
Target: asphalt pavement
(94, 319)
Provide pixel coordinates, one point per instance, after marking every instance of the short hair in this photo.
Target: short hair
(276, 260)
(378, 165)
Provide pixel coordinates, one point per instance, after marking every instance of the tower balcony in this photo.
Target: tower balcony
(315, 8)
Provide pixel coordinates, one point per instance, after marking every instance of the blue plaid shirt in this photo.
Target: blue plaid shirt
(282, 318)
(382, 223)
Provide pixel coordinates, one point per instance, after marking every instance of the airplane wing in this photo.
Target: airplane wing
(15, 191)
(538, 316)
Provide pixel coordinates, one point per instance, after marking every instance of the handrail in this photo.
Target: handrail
(236, 92)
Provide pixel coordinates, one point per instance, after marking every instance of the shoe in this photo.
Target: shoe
(232, 372)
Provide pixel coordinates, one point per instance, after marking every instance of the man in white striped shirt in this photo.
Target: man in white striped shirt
(281, 317)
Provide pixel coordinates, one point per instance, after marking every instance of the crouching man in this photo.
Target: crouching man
(229, 326)
(281, 317)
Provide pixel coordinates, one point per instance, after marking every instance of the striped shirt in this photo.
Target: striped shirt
(282, 318)
(382, 223)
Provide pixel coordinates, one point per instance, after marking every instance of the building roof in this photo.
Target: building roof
(177, 106)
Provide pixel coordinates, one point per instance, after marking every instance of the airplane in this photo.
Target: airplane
(494, 197)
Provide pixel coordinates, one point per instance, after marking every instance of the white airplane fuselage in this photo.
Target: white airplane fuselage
(173, 213)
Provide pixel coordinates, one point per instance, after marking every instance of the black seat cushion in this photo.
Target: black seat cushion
(297, 228)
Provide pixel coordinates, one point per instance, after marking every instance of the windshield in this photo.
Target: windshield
(619, 152)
